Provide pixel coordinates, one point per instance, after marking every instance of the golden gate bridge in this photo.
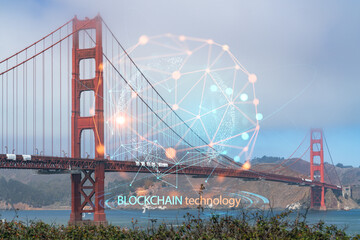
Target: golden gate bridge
(54, 102)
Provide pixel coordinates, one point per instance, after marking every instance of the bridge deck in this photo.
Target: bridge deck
(62, 163)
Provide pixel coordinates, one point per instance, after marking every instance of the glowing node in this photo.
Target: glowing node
(210, 41)
(237, 159)
(92, 111)
(120, 120)
(142, 138)
(133, 94)
(214, 111)
(182, 38)
(198, 116)
(246, 165)
(211, 144)
(256, 101)
(101, 66)
(175, 107)
(244, 97)
(225, 47)
(257, 127)
(229, 91)
(252, 78)
(176, 75)
(246, 149)
(207, 70)
(100, 149)
(259, 116)
(170, 153)
(237, 67)
(231, 103)
(205, 180)
(188, 52)
(245, 136)
(213, 88)
(143, 40)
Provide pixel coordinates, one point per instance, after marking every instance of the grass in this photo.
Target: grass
(248, 225)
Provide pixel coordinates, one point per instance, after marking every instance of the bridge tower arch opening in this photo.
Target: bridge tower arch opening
(317, 169)
(87, 184)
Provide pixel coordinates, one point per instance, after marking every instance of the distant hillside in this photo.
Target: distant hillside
(348, 175)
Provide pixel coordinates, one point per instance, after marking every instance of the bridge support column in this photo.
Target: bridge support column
(317, 168)
(84, 186)
(99, 215)
(75, 215)
(318, 198)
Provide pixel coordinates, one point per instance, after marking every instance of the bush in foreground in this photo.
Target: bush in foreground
(245, 226)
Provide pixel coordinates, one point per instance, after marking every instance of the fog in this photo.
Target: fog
(305, 54)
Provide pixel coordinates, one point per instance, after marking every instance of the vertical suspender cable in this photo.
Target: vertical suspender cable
(34, 98)
(43, 101)
(60, 90)
(13, 110)
(113, 142)
(52, 96)
(2, 115)
(68, 92)
(137, 119)
(23, 108)
(7, 108)
(16, 103)
(83, 134)
(25, 104)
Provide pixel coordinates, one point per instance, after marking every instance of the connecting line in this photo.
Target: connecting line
(327, 147)
(178, 163)
(156, 175)
(126, 184)
(184, 167)
(136, 175)
(127, 151)
(149, 155)
(168, 183)
(147, 80)
(211, 173)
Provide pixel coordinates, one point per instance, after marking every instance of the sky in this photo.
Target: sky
(305, 54)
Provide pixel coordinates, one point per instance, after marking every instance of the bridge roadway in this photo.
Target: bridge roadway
(63, 163)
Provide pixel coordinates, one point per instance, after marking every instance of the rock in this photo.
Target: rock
(294, 206)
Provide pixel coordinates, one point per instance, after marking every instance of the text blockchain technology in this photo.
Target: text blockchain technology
(177, 200)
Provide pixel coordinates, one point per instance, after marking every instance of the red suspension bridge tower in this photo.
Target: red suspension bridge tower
(317, 167)
(83, 189)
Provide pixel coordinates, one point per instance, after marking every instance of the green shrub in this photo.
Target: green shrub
(248, 225)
